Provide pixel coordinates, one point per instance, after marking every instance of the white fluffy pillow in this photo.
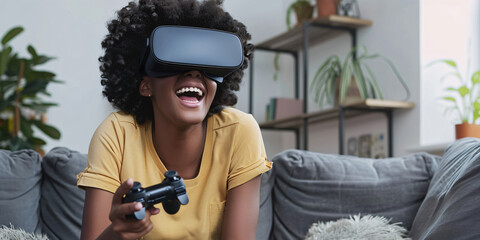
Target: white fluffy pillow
(357, 227)
(10, 233)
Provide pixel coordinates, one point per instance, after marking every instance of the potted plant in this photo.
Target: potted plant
(22, 108)
(303, 10)
(326, 8)
(335, 78)
(463, 100)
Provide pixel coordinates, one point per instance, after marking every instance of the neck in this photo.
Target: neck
(180, 149)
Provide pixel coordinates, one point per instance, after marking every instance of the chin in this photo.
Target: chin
(193, 118)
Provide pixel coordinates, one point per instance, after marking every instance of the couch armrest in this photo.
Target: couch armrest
(20, 186)
(451, 209)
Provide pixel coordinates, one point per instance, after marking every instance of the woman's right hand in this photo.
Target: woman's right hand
(126, 228)
(104, 215)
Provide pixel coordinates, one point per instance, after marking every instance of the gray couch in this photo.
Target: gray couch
(39, 195)
(433, 197)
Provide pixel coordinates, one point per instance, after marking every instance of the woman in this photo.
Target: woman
(177, 121)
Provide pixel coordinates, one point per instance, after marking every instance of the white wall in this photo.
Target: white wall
(72, 31)
(449, 30)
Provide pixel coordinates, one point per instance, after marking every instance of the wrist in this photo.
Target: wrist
(109, 233)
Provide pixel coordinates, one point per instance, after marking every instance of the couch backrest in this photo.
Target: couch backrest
(40, 195)
(62, 201)
(308, 187)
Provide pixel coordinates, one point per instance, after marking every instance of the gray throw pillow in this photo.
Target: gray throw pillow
(311, 187)
(451, 209)
(20, 182)
(62, 201)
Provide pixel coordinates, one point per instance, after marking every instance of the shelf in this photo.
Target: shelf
(292, 40)
(333, 113)
(300, 39)
(372, 103)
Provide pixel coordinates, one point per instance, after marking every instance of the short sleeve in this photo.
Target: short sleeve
(104, 157)
(249, 158)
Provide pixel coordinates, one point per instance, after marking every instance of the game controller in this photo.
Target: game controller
(171, 192)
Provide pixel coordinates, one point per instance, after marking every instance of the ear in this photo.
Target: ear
(145, 87)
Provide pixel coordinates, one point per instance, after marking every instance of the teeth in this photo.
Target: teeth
(190, 89)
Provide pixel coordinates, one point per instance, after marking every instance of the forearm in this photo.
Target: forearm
(241, 211)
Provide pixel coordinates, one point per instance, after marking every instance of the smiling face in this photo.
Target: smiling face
(182, 100)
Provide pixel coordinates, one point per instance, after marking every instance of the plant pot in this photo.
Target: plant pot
(467, 130)
(303, 11)
(326, 8)
(353, 94)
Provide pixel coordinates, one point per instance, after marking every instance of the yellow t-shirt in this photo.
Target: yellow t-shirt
(233, 154)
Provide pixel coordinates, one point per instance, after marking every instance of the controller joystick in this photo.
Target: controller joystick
(171, 192)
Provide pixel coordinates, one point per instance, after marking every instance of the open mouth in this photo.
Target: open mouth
(190, 94)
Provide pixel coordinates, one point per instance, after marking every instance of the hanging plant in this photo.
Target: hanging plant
(22, 108)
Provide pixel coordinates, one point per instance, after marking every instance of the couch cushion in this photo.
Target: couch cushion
(62, 202)
(311, 187)
(20, 180)
(451, 209)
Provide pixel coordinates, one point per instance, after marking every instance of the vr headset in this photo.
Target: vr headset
(172, 50)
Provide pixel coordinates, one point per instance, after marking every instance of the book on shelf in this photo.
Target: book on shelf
(280, 108)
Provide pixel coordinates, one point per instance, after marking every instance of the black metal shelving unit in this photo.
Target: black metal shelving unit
(299, 40)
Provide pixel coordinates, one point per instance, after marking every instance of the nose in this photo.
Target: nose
(193, 73)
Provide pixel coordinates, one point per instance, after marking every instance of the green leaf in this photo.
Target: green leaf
(446, 61)
(7, 84)
(4, 59)
(39, 107)
(39, 75)
(463, 90)
(289, 12)
(325, 79)
(360, 80)
(276, 66)
(13, 66)
(345, 81)
(451, 89)
(12, 33)
(37, 141)
(451, 99)
(451, 63)
(476, 111)
(26, 127)
(41, 59)
(455, 73)
(5, 104)
(47, 129)
(375, 88)
(32, 51)
(34, 87)
(476, 77)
